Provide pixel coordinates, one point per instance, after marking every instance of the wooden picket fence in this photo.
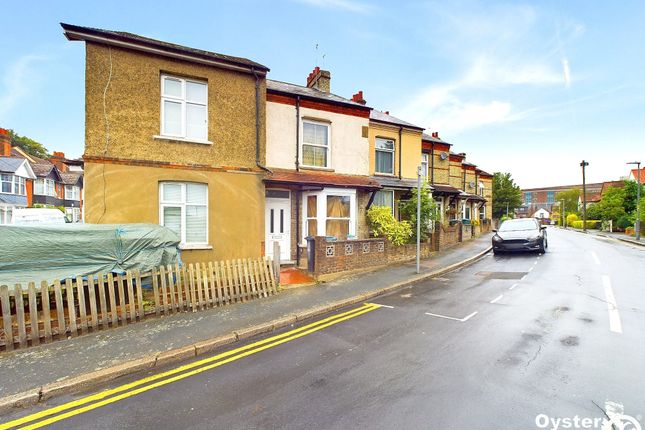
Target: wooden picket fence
(77, 306)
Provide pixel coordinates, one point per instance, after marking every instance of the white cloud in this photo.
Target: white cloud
(18, 81)
(348, 5)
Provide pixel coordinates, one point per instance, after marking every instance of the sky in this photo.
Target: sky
(530, 88)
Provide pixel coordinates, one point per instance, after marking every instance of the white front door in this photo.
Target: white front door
(277, 222)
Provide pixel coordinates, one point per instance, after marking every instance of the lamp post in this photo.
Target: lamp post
(637, 224)
(584, 197)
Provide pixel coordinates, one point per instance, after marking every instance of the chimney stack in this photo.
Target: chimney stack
(319, 80)
(358, 98)
(58, 160)
(5, 143)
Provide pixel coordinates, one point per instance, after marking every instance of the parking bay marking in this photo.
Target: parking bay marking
(614, 317)
(466, 318)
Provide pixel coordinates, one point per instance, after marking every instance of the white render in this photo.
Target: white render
(349, 151)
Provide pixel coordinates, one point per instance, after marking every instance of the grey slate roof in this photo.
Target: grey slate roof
(70, 178)
(312, 93)
(76, 32)
(384, 117)
(10, 164)
(430, 138)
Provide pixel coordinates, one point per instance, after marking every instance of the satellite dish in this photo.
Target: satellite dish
(443, 155)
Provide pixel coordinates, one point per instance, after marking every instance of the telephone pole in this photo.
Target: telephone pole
(584, 197)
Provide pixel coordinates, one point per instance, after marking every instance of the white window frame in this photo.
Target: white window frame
(393, 202)
(391, 151)
(303, 143)
(72, 192)
(182, 206)
(182, 100)
(425, 165)
(321, 210)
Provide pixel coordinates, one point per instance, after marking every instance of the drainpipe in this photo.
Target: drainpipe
(297, 133)
(432, 163)
(257, 123)
(400, 150)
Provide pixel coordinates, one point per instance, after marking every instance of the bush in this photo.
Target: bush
(571, 218)
(383, 224)
(592, 224)
(624, 222)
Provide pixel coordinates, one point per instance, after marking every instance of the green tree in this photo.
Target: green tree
(28, 145)
(428, 211)
(505, 191)
(611, 205)
(571, 198)
(631, 189)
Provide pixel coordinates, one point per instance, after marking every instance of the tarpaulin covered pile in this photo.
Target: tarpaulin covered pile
(49, 252)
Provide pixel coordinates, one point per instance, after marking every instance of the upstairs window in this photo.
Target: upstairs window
(315, 144)
(184, 112)
(12, 184)
(45, 187)
(384, 156)
(72, 192)
(184, 210)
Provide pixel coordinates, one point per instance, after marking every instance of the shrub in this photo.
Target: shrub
(592, 224)
(571, 218)
(383, 224)
(623, 222)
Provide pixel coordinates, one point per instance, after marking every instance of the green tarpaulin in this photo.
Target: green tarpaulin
(49, 252)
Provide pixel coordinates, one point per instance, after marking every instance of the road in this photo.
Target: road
(510, 342)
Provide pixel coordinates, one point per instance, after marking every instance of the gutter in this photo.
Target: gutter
(257, 123)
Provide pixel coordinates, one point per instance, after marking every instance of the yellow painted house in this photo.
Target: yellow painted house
(175, 136)
(394, 156)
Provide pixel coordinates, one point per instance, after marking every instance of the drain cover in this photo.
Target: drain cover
(501, 275)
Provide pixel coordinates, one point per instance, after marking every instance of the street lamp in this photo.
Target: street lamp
(637, 224)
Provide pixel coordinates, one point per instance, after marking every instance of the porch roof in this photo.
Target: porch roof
(324, 179)
(440, 189)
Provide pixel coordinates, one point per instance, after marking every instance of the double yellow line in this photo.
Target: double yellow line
(85, 404)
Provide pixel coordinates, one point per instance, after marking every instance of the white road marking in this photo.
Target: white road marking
(595, 258)
(383, 306)
(512, 286)
(614, 316)
(453, 318)
(497, 299)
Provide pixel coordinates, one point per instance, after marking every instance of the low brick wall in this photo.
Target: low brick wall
(346, 255)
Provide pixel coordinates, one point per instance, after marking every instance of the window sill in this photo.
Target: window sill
(182, 140)
(322, 169)
(194, 247)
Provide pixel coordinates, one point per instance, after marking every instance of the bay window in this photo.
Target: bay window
(384, 156)
(184, 112)
(183, 208)
(315, 144)
(330, 212)
(384, 198)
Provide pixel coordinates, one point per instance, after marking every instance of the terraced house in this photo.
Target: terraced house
(174, 136)
(318, 152)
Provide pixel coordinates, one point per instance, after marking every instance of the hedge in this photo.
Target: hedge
(593, 224)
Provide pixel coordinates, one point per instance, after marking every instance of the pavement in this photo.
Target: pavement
(517, 341)
(35, 374)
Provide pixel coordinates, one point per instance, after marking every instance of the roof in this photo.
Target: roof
(293, 177)
(311, 93)
(10, 164)
(388, 182)
(134, 41)
(379, 116)
(635, 175)
(70, 178)
(445, 189)
(430, 138)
